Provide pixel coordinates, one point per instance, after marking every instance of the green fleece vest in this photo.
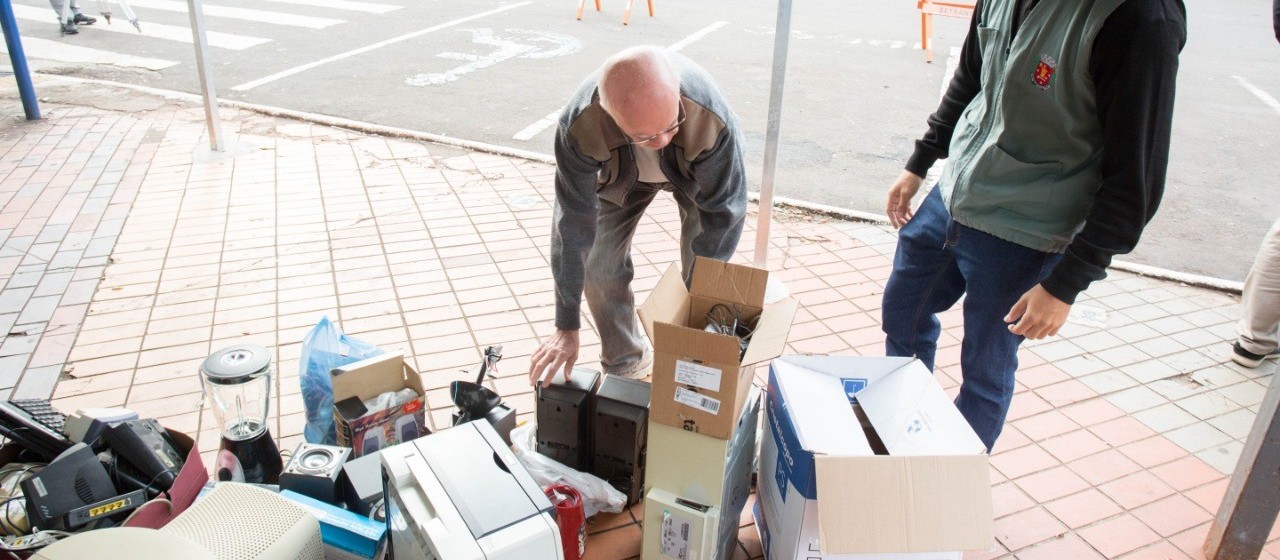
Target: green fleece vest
(1025, 159)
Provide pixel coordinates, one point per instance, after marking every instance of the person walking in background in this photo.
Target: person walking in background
(649, 120)
(1056, 131)
(68, 26)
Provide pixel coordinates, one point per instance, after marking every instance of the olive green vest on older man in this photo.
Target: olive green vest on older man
(1025, 159)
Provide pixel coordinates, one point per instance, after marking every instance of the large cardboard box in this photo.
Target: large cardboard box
(823, 493)
(700, 378)
(367, 379)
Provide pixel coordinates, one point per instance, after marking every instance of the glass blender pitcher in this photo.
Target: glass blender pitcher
(239, 380)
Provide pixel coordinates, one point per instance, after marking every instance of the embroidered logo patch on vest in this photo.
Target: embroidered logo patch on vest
(1044, 72)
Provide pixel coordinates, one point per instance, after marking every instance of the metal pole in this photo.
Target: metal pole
(781, 36)
(19, 60)
(1253, 496)
(195, 9)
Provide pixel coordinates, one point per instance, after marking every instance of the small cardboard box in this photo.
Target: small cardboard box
(366, 380)
(700, 378)
(823, 493)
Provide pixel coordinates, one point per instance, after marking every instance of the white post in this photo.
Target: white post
(195, 9)
(782, 33)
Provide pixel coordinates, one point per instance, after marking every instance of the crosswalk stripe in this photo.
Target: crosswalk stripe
(36, 47)
(180, 34)
(368, 7)
(277, 18)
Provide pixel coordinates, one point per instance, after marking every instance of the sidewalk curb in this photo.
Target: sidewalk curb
(1194, 280)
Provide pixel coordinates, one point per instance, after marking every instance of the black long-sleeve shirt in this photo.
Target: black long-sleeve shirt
(1134, 65)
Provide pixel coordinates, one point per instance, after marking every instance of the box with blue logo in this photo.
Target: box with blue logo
(825, 494)
(346, 535)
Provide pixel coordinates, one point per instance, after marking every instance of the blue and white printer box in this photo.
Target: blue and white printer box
(823, 494)
(346, 535)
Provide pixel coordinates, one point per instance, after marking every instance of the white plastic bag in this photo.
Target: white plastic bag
(597, 495)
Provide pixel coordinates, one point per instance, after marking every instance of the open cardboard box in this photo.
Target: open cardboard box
(366, 380)
(824, 494)
(700, 378)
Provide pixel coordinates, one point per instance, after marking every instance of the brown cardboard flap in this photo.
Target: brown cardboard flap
(667, 303)
(684, 342)
(770, 338)
(889, 504)
(729, 282)
(369, 378)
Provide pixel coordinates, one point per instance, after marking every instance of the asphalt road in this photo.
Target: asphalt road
(857, 90)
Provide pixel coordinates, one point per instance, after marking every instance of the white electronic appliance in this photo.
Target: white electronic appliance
(460, 494)
(678, 528)
(233, 522)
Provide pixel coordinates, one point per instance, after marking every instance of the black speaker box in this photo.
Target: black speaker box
(621, 434)
(313, 471)
(564, 418)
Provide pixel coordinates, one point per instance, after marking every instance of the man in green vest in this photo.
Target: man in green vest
(1056, 133)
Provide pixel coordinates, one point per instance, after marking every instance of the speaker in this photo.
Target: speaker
(564, 418)
(313, 471)
(620, 434)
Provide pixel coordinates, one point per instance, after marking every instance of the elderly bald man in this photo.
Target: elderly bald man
(648, 120)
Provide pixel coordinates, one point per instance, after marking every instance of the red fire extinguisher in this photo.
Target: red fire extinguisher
(571, 518)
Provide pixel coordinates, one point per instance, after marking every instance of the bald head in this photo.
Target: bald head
(640, 89)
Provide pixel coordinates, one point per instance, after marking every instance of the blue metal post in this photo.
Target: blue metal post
(19, 60)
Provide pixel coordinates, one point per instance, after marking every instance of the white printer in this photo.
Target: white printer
(460, 494)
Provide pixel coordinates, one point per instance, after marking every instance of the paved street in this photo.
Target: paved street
(858, 90)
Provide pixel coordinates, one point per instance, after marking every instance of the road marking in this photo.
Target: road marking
(546, 122)
(1257, 92)
(697, 35)
(277, 18)
(180, 34)
(368, 7)
(505, 48)
(532, 130)
(297, 69)
(36, 47)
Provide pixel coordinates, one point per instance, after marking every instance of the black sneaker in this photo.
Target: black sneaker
(82, 19)
(1250, 360)
(69, 28)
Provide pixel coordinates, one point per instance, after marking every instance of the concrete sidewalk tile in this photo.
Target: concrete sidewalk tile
(1161, 550)
(1121, 431)
(1153, 451)
(1074, 445)
(1197, 437)
(1026, 528)
(1136, 399)
(1222, 457)
(1208, 405)
(1084, 508)
(1236, 424)
(1108, 381)
(1091, 412)
(1137, 489)
(1052, 484)
(1165, 417)
(1068, 546)
(37, 383)
(1023, 461)
(1104, 467)
(1119, 535)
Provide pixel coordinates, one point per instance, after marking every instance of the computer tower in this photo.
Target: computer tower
(564, 418)
(620, 434)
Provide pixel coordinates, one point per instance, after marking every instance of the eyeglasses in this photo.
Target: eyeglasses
(670, 129)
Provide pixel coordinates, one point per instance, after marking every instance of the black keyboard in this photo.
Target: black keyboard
(35, 425)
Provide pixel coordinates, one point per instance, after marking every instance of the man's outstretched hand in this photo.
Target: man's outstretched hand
(561, 350)
(898, 207)
(1037, 314)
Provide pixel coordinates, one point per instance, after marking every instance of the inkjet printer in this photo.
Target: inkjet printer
(461, 494)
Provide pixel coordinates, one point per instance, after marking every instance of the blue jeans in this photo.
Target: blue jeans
(937, 261)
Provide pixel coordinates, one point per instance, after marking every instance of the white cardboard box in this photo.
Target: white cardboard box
(823, 494)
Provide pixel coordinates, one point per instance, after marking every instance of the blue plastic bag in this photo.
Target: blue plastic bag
(323, 349)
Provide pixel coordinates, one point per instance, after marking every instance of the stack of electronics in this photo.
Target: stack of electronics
(697, 487)
(597, 424)
(86, 471)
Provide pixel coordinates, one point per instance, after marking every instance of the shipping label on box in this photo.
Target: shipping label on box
(824, 494)
(701, 378)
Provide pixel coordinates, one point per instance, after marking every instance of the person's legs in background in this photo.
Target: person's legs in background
(607, 288)
(997, 273)
(68, 22)
(1260, 305)
(925, 281)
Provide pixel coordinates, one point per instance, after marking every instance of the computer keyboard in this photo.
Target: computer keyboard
(35, 425)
